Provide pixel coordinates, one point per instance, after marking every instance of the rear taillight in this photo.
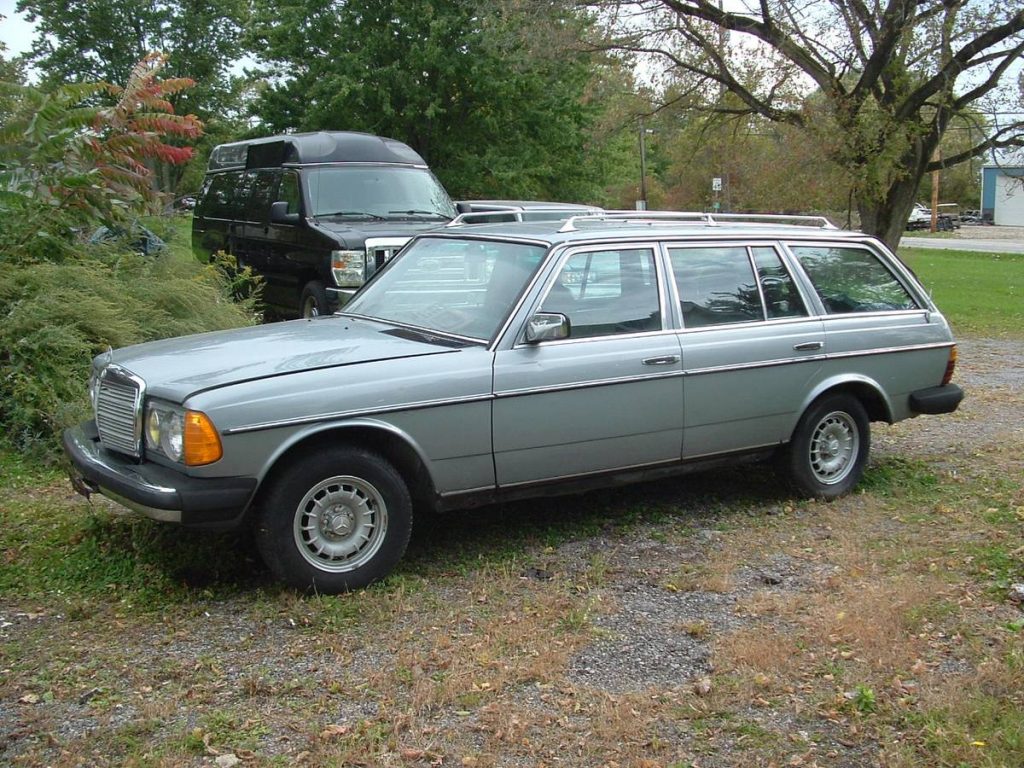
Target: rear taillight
(950, 366)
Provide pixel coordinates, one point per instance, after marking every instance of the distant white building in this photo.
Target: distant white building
(1002, 194)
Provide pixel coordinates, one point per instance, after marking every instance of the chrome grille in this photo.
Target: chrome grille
(380, 250)
(119, 411)
(381, 256)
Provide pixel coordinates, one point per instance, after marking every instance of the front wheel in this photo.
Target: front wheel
(830, 446)
(313, 302)
(335, 521)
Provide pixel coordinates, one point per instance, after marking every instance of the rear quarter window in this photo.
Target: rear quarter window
(850, 279)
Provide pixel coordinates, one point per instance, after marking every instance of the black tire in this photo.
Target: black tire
(313, 302)
(334, 521)
(830, 446)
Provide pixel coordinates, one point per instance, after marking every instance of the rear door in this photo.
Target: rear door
(751, 349)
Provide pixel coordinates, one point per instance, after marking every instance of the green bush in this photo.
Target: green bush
(69, 162)
(57, 316)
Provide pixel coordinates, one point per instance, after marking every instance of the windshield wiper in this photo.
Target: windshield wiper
(417, 212)
(367, 214)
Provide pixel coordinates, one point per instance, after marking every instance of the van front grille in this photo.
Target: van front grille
(380, 250)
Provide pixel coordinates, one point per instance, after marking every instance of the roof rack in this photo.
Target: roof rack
(696, 217)
(507, 213)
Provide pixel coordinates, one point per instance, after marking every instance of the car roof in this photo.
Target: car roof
(655, 225)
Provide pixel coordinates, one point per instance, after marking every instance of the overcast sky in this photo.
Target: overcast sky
(15, 32)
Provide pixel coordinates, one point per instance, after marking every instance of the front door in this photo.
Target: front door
(609, 396)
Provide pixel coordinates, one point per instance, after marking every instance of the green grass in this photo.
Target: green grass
(982, 294)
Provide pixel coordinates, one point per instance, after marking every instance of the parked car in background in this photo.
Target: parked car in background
(946, 220)
(949, 216)
(315, 214)
(493, 211)
(516, 359)
(920, 217)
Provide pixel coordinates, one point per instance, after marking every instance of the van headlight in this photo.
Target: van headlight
(348, 268)
(187, 437)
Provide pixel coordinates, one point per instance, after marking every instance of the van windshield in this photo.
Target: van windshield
(376, 192)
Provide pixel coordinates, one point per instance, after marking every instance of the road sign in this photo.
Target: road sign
(716, 184)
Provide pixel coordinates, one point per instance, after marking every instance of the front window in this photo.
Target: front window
(288, 191)
(605, 293)
(453, 286)
(377, 192)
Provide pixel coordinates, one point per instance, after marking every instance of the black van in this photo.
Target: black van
(316, 214)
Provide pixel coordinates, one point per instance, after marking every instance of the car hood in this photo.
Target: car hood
(179, 367)
(354, 231)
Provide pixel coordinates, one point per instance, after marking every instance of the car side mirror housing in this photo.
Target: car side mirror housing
(547, 326)
(279, 213)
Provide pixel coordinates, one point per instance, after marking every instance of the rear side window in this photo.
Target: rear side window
(852, 280)
(716, 286)
(781, 297)
(217, 202)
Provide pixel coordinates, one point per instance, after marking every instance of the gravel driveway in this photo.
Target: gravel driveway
(648, 629)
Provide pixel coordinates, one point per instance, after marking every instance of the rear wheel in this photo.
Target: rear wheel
(335, 521)
(830, 446)
(314, 300)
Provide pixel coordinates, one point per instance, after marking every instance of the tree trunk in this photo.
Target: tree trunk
(887, 218)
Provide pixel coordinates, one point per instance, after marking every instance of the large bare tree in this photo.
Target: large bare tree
(878, 83)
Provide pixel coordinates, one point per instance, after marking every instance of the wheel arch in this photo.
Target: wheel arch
(380, 438)
(870, 394)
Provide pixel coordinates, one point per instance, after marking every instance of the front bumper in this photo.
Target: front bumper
(155, 491)
(934, 400)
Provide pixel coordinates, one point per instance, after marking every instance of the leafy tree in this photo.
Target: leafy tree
(67, 165)
(495, 94)
(80, 41)
(888, 79)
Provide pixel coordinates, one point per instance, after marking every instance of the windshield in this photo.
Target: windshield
(461, 287)
(376, 191)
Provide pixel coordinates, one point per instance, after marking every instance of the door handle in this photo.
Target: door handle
(809, 346)
(666, 360)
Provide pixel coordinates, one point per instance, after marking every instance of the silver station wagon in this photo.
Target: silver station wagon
(503, 360)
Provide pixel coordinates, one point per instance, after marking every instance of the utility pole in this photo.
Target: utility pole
(641, 204)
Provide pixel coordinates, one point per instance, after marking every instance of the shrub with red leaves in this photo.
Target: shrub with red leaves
(68, 164)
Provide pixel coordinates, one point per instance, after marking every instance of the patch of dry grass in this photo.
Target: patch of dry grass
(883, 637)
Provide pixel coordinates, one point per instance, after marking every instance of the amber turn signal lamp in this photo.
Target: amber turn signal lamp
(950, 366)
(202, 443)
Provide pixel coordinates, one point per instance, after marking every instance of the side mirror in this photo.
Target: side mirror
(279, 213)
(547, 326)
(463, 207)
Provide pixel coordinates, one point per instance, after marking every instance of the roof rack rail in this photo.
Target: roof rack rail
(697, 217)
(507, 213)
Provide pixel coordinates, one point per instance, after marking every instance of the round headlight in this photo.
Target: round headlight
(172, 435)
